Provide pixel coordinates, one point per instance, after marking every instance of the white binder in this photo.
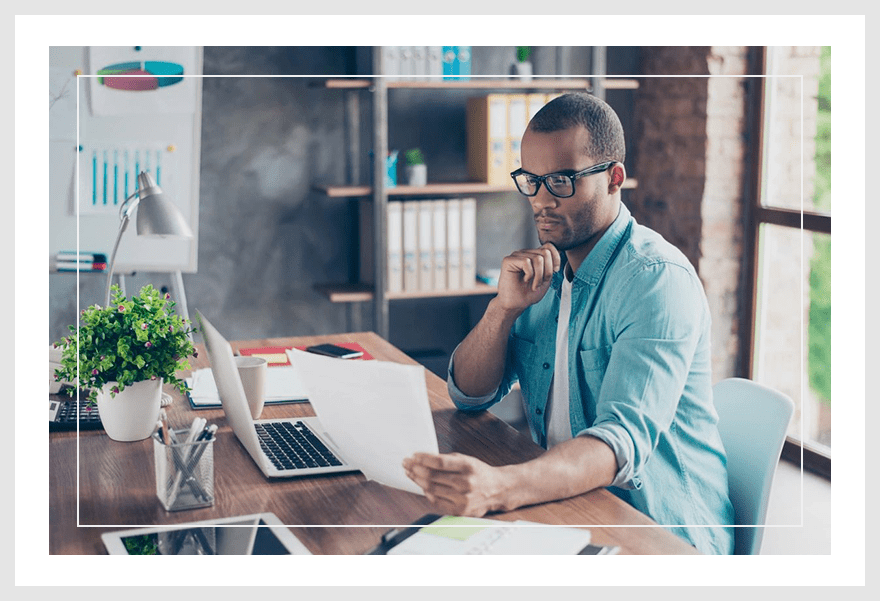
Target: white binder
(425, 244)
(395, 245)
(453, 243)
(391, 56)
(435, 62)
(468, 242)
(420, 62)
(439, 242)
(410, 246)
(407, 62)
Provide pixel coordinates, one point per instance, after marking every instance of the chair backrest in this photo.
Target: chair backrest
(752, 421)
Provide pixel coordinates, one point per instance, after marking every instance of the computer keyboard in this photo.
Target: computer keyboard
(62, 415)
(293, 446)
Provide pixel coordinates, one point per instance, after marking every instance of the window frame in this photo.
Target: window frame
(755, 214)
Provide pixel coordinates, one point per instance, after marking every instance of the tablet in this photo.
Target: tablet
(257, 534)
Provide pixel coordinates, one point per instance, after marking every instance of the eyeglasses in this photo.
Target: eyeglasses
(560, 185)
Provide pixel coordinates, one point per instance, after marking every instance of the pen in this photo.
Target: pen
(163, 427)
(207, 433)
(184, 457)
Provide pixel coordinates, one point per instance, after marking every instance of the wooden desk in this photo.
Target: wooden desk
(117, 486)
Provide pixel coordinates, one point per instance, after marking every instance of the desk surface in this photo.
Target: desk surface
(117, 482)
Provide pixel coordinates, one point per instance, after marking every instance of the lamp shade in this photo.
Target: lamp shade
(156, 215)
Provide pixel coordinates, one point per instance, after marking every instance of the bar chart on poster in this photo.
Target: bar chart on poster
(116, 112)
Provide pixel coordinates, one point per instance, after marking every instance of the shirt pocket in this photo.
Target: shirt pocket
(524, 352)
(593, 363)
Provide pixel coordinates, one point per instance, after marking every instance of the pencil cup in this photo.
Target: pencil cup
(184, 473)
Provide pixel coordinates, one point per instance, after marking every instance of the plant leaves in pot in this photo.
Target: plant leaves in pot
(123, 354)
(416, 169)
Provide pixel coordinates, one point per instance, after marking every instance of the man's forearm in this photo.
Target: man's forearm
(480, 358)
(566, 470)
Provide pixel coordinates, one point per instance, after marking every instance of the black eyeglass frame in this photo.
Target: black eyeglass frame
(598, 168)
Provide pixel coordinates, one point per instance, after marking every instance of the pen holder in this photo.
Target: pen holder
(184, 473)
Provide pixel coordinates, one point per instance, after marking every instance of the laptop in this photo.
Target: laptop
(282, 448)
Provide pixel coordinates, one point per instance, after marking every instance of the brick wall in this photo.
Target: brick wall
(689, 161)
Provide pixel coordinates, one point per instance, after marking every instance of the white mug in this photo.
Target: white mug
(252, 371)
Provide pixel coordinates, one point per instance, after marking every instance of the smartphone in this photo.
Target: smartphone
(331, 350)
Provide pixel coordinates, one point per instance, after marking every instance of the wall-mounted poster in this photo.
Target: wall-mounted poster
(143, 79)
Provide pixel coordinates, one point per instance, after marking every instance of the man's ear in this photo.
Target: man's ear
(618, 176)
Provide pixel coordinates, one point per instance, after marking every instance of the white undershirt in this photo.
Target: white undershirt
(558, 422)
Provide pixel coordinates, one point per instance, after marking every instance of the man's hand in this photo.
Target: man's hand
(458, 484)
(461, 485)
(525, 276)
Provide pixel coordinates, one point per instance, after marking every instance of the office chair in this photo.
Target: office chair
(752, 420)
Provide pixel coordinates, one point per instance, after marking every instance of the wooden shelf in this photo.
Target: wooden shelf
(615, 83)
(431, 189)
(359, 293)
(488, 83)
(476, 83)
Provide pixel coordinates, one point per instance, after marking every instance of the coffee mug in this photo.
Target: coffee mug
(252, 371)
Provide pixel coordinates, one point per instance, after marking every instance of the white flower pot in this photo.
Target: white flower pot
(132, 414)
(522, 70)
(417, 175)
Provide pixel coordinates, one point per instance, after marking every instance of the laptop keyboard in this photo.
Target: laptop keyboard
(291, 445)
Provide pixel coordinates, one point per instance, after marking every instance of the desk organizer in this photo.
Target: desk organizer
(184, 473)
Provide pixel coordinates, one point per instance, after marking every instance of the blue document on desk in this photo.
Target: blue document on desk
(377, 412)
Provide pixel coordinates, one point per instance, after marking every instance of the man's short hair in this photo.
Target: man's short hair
(580, 109)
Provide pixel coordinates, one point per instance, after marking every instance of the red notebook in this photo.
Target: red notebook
(277, 355)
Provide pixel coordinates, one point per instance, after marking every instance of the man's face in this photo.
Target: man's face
(575, 223)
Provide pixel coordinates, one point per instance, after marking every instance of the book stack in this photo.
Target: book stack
(495, 126)
(431, 244)
(68, 260)
(421, 62)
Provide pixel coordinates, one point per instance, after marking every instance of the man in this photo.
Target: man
(606, 328)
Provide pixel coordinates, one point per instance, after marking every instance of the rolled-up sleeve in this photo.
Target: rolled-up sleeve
(481, 403)
(659, 317)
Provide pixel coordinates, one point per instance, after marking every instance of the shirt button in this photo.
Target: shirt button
(538, 411)
(546, 366)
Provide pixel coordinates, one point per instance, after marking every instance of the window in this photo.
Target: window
(790, 345)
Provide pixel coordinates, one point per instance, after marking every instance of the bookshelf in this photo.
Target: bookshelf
(378, 89)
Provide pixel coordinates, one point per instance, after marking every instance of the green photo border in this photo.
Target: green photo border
(846, 34)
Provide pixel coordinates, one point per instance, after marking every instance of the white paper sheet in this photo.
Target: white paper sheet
(282, 384)
(453, 535)
(376, 412)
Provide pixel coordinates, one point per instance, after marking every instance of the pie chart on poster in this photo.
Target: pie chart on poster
(141, 76)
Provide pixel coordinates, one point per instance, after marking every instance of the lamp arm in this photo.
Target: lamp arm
(125, 211)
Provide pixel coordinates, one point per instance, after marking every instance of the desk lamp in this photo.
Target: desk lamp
(157, 216)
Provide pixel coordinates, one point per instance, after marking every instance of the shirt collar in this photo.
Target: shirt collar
(594, 265)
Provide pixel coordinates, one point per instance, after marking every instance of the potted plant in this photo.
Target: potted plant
(523, 66)
(123, 354)
(416, 170)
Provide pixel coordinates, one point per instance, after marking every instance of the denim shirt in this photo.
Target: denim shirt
(639, 361)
